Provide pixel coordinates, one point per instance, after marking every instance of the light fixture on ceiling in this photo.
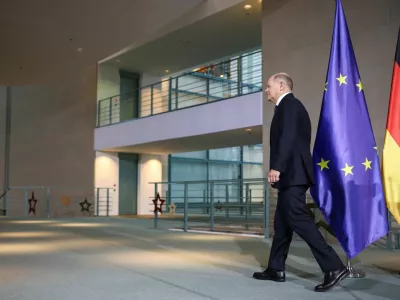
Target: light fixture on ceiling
(117, 60)
(222, 75)
(248, 130)
(79, 49)
(166, 71)
(247, 6)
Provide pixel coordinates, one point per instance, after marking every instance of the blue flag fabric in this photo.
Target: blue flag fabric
(348, 187)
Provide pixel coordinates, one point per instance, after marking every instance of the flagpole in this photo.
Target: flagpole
(352, 272)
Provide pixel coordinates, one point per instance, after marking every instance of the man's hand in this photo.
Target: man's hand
(273, 176)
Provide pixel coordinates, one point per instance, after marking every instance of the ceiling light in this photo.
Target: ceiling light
(166, 71)
(222, 76)
(79, 49)
(247, 6)
(117, 60)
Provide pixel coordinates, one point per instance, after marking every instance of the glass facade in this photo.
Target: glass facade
(244, 162)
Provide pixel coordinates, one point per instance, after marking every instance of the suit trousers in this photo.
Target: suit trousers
(292, 215)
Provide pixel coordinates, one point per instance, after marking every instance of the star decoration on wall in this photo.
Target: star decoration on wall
(158, 206)
(85, 205)
(172, 208)
(32, 204)
(66, 200)
(218, 206)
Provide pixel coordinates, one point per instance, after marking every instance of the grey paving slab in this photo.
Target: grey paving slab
(115, 258)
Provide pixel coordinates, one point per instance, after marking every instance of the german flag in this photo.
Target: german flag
(391, 147)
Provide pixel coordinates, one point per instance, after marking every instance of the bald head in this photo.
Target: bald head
(278, 85)
(284, 79)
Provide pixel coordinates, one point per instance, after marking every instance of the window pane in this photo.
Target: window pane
(194, 154)
(253, 153)
(256, 190)
(188, 171)
(229, 154)
(224, 172)
(253, 171)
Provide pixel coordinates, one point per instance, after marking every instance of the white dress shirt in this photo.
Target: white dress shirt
(281, 97)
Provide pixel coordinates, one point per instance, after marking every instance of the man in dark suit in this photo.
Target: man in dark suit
(291, 172)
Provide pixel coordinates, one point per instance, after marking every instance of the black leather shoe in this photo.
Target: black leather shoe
(331, 279)
(269, 274)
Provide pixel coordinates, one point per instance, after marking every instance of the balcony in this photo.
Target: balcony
(229, 79)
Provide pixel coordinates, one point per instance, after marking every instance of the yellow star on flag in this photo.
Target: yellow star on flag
(360, 86)
(323, 164)
(376, 148)
(325, 86)
(367, 164)
(348, 170)
(342, 79)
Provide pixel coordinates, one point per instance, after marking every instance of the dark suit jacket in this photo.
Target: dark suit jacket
(290, 140)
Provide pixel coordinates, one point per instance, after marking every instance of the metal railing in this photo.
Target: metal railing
(104, 201)
(234, 206)
(58, 202)
(3, 203)
(231, 78)
(214, 204)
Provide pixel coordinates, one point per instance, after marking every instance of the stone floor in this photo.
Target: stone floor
(116, 258)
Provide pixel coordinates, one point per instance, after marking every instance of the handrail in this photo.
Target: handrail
(4, 193)
(225, 80)
(57, 187)
(195, 73)
(211, 180)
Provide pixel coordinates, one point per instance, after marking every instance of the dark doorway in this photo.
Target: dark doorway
(129, 95)
(128, 183)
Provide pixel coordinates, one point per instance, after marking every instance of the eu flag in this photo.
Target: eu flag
(348, 187)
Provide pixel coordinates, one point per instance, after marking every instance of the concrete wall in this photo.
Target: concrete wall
(52, 140)
(301, 44)
(3, 103)
(170, 16)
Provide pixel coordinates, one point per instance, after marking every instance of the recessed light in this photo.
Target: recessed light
(247, 6)
(222, 76)
(166, 71)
